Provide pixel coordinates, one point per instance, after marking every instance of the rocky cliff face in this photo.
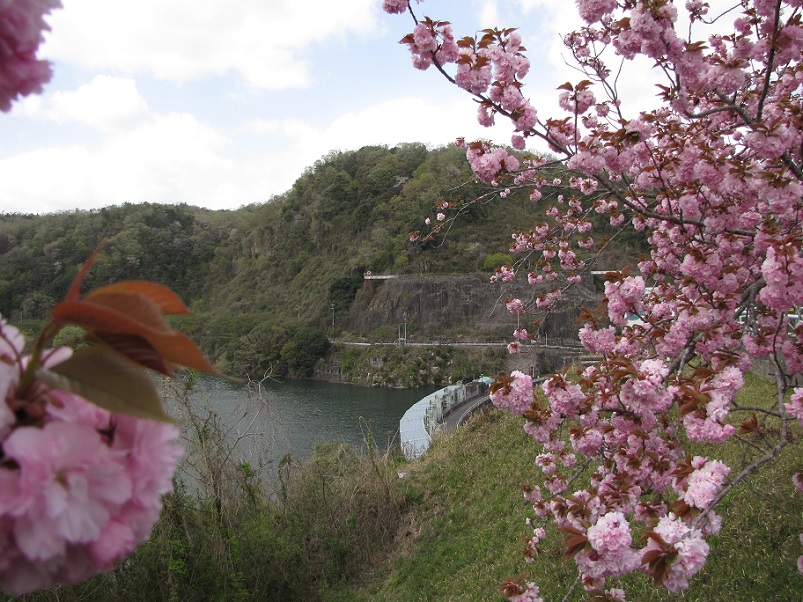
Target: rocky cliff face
(444, 311)
(456, 308)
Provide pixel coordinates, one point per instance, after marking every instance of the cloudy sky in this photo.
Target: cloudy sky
(223, 103)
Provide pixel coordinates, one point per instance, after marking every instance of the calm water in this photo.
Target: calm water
(294, 416)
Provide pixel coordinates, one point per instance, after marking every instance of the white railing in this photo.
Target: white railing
(423, 419)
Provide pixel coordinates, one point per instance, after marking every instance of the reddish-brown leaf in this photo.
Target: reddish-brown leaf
(656, 538)
(651, 556)
(575, 541)
(135, 307)
(511, 588)
(164, 298)
(181, 350)
(681, 508)
(501, 382)
(173, 347)
(78, 281)
(658, 563)
(94, 317)
(750, 426)
(136, 349)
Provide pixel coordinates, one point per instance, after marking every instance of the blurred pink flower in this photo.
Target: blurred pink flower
(80, 487)
(21, 26)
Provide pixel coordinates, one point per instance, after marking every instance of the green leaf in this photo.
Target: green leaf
(109, 381)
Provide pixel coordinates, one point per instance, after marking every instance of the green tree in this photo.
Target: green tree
(303, 350)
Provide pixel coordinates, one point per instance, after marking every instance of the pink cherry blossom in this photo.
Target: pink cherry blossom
(690, 547)
(795, 406)
(598, 341)
(394, 6)
(611, 532)
(624, 297)
(21, 26)
(546, 462)
(515, 306)
(593, 10)
(704, 483)
(80, 488)
(517, 395)
(530, 593)
(69, 486)
(612, 554)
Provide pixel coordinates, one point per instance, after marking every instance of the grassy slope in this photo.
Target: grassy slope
(462, 537)
(464, 534)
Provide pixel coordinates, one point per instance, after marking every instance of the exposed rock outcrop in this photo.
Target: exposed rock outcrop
(458, 308)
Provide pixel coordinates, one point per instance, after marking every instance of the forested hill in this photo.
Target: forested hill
(275, 265)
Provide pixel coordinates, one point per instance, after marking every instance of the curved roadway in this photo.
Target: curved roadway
(459, 414)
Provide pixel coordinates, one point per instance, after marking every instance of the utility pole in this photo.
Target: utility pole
(332, 307)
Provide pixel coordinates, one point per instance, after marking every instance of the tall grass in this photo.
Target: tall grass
(464, 533)
(226, 535)
(466, 525)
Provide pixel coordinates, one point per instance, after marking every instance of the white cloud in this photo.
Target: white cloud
(175, 158)
(163, 158)
(265, 42)
(167, 158)
(489, 14)
(410, 119)
(262, 126)
(107, 104)
(116, 148)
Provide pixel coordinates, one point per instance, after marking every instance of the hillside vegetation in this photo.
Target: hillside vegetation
(269, 280)
(349, 213)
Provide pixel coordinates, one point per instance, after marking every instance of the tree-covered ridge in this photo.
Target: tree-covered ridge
(257, 277)
(40, 255)
(349, 212)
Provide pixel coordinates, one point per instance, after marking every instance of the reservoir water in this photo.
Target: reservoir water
(293, 416)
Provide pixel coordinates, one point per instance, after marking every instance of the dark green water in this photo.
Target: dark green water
(294, 416)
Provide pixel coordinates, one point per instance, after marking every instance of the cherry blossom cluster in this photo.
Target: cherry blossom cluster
(712, 180)
(80, 487)
(526, 593)
(21, 26)
(516, 394)
(431, 41)
(395, 6)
